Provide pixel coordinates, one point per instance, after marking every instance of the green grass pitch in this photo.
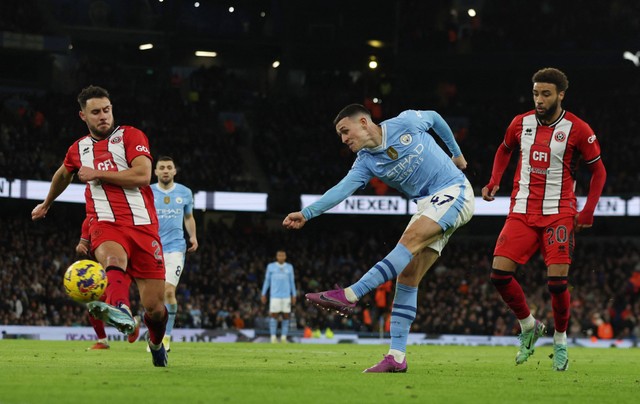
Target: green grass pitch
(63, 372)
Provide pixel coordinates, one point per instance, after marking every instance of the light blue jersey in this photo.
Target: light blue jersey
(171, 206)
(279, 279)
(409, 160)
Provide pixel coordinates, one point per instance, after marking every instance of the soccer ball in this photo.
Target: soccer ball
(85, 281)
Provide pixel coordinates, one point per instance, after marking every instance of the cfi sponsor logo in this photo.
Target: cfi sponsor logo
(406, 139)
(116, 139)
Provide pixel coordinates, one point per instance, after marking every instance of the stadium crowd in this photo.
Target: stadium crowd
(289, 137)
(220, 288)
(216, 120)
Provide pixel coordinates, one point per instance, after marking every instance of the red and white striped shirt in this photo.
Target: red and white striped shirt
(543, 182)
(108, 202)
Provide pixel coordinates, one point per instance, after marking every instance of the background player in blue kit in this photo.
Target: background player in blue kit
(402, 154)
(280, 283)
(174, 205)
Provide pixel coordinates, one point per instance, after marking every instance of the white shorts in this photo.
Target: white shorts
(280, 305)
(173, 265)
(451, 208)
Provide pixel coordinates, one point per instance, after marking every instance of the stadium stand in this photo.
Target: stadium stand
(222, 282)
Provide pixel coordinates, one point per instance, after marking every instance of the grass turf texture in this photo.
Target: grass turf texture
(63, 372)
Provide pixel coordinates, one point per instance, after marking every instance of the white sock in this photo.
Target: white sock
(350, 295)
(103, 341)
(398, 356)
(154, 347)
(560, 338)
(527, 323)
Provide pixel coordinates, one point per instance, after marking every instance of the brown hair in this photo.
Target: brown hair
(90, 92)
(553, 76)
(164, 158)
(349, 111)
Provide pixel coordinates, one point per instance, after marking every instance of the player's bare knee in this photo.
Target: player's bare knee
(169, 294)
(409, 278)
(504, 264)
(115, 261)
(417, 242)
(155, 311)
(411, 242)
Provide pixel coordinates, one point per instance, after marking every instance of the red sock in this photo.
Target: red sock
(118, 287)
(156, 328)
(98, 326)
(560, 301)
(511, 292)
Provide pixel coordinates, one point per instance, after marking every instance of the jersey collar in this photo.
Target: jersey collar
(554, 123)
(116, 129)
(165, 191)
(382, 145)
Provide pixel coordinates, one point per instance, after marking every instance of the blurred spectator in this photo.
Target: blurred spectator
(219, 287)
(380, 310)
(603, 328)
(634, 280)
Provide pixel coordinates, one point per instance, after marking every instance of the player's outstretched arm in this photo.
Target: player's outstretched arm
(82, 249)
(584, 219)
(193, 244)
(460, 162)
(500, 163)
(489, 192)
(294, 221)
(84, 246)
(60, 181)
(190, 225)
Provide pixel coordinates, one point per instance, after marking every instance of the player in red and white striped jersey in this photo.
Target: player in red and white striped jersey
(116, 164)
(83, 250)
(543, 214)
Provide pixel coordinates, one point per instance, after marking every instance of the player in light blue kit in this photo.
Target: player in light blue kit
(280, 283)
(174, 205)
(402, 154)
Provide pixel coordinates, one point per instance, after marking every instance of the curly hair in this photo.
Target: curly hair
(553, 76)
